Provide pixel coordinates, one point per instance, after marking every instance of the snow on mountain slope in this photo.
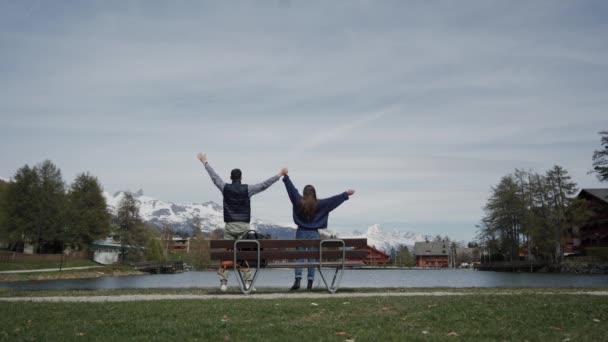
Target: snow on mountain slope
(385, 241)
(181, 217)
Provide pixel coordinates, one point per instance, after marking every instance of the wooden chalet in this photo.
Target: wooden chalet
(176, 244)
(376, 257)
(432, 254)
(594, 233)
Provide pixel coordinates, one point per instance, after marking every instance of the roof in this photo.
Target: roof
(601, 194)
(431, 248)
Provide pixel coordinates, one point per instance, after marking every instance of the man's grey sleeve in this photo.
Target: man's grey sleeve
(214, 177)
(257, 188)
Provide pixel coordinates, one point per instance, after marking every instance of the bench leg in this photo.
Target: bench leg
(242, 281)
(334, 284)
(242, 285)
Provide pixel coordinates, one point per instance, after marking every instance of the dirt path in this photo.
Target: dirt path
(152, 297)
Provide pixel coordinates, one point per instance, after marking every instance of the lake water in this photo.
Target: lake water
(283, 278)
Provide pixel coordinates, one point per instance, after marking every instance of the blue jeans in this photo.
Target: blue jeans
(307, 234)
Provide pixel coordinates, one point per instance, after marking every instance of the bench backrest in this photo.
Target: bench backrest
(286, 249)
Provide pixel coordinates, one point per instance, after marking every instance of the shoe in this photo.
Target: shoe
(248, 285)
(296, 284)
(309, 286)
(224, 286)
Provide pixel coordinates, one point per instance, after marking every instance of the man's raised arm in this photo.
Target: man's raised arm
(257, 188)
(214, 176)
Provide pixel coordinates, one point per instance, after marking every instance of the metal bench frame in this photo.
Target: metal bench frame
(331, 287)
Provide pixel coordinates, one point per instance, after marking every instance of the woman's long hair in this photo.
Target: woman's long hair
(308, 204)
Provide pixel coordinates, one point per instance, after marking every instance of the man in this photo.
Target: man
(237, 209)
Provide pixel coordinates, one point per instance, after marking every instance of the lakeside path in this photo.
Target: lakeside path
(157, 297)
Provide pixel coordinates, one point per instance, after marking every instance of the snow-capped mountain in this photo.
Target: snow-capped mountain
(183, 216)
(385, 241)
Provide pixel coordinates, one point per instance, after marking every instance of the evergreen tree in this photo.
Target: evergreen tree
(88, 215)
(154, 250)
(600, 158)
(51, 202)
(131, 230)
(3, 210)
(503, 216)
(406, 259)
(560, 199)
(22, 208)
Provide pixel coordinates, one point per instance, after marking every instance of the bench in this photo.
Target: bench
(332, 253)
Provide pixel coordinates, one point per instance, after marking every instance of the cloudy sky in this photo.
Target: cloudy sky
(419, 106)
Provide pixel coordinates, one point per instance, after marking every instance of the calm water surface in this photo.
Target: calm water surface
(352, 278)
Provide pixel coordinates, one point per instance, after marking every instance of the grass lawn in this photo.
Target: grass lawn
(482, 317)
(116, 270)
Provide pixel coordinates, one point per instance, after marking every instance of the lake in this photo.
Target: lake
(372, 278)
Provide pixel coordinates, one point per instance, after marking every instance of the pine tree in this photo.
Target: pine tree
(600, 158)
(51, 223)
(22, 208)
(3, 210)
(560, 199)
(406, 258)
(131, 230)
(88, 215)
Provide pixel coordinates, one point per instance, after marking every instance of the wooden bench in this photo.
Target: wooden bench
(332, 253)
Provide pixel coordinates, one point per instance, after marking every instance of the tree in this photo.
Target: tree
(406, 259)
(3, 212)
(154, 250)
(88, 214)
(51, 202)
(503, 216)
(600, 158)
(22, 208)
(560, 198)
(131, 230)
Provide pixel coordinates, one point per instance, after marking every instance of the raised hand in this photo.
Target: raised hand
(202, 157)
(350, 192)
(284, 171)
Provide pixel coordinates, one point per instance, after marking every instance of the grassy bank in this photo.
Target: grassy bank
(482, 317)
(16, 266)
(71, 274)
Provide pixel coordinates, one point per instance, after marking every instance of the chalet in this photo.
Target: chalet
(176, 244)
(432, 254)
(594, 233)
(376, 257)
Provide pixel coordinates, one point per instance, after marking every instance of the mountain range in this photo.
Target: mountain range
(184, 217)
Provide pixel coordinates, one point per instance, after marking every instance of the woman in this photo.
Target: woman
(310, 215)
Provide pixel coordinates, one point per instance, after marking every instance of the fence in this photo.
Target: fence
(7, 257)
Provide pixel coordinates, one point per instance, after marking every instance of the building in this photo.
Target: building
(432, 254)
(176, 244)
(376, 257)
(106, 252)
(594, 233)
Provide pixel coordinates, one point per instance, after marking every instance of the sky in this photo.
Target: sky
(419, 106)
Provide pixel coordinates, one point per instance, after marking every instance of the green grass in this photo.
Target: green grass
(16, 266)
(479, 318)
(4, 292)
(114, 270)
